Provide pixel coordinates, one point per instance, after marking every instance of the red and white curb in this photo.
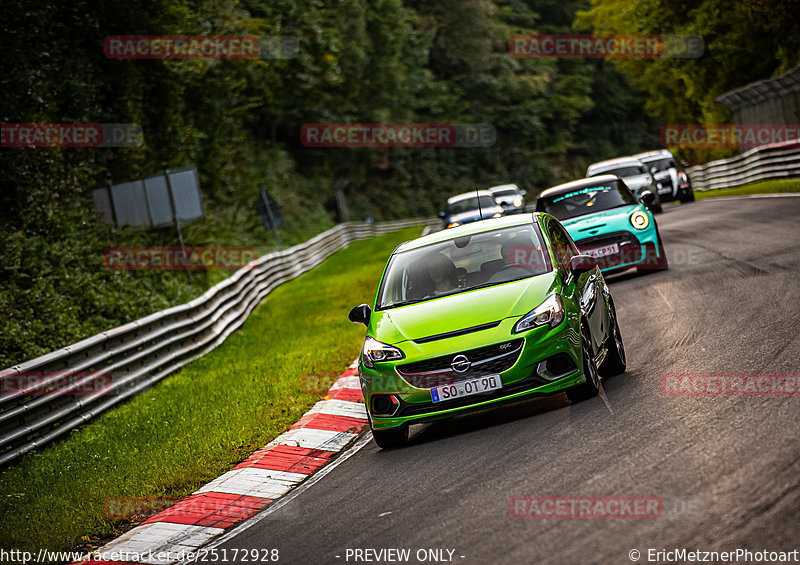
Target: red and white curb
(268, 474)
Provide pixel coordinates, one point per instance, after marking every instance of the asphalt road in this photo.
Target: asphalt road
(727, 468)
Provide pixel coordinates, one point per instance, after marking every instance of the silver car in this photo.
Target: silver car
(509, 197)
(636, 177)
(672, 182)
(470, 207)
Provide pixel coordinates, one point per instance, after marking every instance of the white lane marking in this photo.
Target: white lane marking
(605, 398)
(283, 501)
(253, 481)
(664, 297)
(340, 408)
(153, 539)
(326, 440)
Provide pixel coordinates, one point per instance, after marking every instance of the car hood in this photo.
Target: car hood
(463, 310)
(600, 222)
(474, 215)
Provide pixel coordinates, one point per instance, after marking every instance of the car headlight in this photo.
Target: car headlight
(550, 312)
(375, 351)
(640, 220)
(517, 202)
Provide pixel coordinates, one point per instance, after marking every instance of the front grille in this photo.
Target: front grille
(493, 359)
(630, 250)
(415, 409)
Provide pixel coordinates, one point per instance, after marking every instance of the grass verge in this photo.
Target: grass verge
(195, 425)
(763, 187)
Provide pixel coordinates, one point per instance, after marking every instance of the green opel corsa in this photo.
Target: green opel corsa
(481, 314)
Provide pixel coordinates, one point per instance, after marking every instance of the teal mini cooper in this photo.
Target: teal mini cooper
(481, 314)
(607, 222)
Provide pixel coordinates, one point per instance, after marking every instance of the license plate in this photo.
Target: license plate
(466, 388)
(603, 251)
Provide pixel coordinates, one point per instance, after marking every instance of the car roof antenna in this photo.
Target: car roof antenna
(479, 201)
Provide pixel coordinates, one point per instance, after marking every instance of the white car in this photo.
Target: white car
(672, 182)
(634, 174)
(509, 197)
(470, 207)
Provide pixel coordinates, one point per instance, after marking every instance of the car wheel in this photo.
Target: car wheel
(592, 385)
(653, 263)
(393, 437)
(614, 363)
(687, 196)
(658, 209)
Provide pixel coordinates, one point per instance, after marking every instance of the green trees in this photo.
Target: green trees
(239, 121)
(745, 41)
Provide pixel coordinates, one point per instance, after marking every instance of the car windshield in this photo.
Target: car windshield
(501, 193)
(662, 164)
(470, 204)
(623, 172)
(586, 201)
(461, 264)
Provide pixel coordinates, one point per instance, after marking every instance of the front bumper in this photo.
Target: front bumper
(525, 377)
(632, 247)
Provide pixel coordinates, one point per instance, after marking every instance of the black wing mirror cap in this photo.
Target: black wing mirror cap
(648, 197)
(580, 264)
(360, 314)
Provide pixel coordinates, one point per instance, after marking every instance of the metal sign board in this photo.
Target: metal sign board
(159, 202)
(130, 204)
(185, 186)
(270, 218)
(102, 204)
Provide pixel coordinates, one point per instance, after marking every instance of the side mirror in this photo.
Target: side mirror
(580, 264)
(648, 197)
(653, 170)
(360, 314)
(523, 192)
(441, 215)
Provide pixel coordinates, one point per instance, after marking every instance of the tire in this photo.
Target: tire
(658, 209)
(591, 387)
(615, 362)
(391, 438)
(653, 263)
(687, 196)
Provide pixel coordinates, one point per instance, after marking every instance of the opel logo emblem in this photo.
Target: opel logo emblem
(460, 364)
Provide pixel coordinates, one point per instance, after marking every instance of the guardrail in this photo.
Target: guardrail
(776, 161)
(119, 363)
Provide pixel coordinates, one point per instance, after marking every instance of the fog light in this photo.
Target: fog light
(555, 367)
(384, 404)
